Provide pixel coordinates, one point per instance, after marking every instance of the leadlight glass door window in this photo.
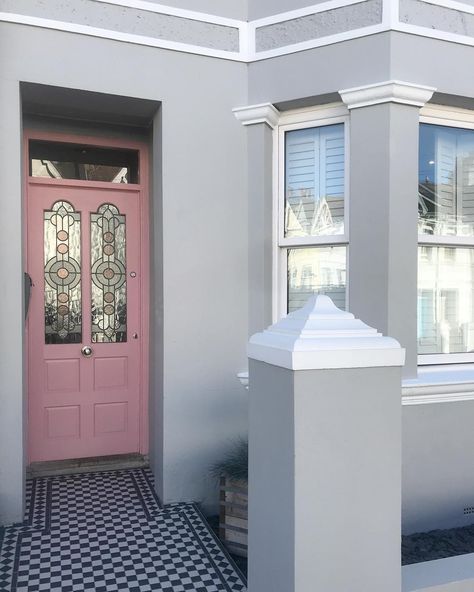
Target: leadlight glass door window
(63, 275)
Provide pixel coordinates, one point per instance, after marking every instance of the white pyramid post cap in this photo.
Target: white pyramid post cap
(319, 336)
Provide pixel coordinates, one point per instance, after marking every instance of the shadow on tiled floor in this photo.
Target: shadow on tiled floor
(107, 532)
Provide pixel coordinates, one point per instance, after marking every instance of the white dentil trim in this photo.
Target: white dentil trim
(261, 113)
(390, 91)
(320, 336)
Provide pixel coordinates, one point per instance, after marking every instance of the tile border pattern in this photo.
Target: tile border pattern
(42, 522)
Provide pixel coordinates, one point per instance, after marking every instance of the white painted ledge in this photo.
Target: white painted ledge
(390, 91)
(439, 384)
(261, 113)
(453, 574)
(321, 336)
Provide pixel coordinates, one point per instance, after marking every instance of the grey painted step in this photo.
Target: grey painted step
(86, 465)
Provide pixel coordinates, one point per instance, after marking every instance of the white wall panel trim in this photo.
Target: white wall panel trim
(247, 30)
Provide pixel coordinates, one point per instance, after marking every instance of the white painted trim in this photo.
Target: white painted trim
(452, 4)
(391, 12)
(178, 12)
(390, 91)
(320, 336)
(261, 113)
(445, 241)
(316, 114)
(328, 240)
(450, 116)
(433, 33)
(409, 398)
(247, 52)
(117, 36)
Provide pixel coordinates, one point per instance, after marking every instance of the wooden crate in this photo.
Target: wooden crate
(233, 515)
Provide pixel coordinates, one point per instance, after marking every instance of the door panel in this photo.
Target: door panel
(84, 260)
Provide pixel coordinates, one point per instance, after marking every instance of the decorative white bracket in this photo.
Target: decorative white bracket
(391, 91)
(262, 113)
(320, 335)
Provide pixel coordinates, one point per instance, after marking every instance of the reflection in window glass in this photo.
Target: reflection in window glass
(446, 181)
(316, 269)
(445, 300)
(56, 160)
(314, 181)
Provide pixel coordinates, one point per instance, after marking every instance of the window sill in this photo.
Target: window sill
(439, 384)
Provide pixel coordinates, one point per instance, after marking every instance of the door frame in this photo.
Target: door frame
(144, 210)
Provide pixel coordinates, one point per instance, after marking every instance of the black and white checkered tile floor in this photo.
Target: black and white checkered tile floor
(106, 532)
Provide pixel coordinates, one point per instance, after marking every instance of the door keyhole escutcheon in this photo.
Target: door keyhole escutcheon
(86, 351)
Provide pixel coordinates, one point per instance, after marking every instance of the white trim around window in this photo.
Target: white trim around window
(320, 116)
(456, 118)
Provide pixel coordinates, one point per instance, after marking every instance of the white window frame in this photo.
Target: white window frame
(330, 114)
(456, 118)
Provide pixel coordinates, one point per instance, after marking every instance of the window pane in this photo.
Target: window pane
(316, 269)
(314, 181)
(62, 274)
(445, 300)
(87, 163)
(109, 280)
(446, 181)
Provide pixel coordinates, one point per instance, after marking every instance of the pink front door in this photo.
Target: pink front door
(84, 320)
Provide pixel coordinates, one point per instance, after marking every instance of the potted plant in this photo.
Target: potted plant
(232, 472)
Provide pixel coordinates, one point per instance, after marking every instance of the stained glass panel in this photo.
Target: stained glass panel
(109, 283)
(62, 273)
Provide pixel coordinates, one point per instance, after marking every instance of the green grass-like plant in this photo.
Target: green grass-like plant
(235, 463)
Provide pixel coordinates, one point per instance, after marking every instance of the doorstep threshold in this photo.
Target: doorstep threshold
(116, 462)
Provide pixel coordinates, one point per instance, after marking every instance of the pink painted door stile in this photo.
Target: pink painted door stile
(79, 405)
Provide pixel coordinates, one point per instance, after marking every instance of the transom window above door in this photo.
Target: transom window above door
(58, 160)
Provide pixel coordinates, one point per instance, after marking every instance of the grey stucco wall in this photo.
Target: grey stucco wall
(435, 17)
(237, 9)
(324, 479)
(318, 25)
(129, 20)
(438, 465)
(11, 284)
(262, 8)
(201, 230)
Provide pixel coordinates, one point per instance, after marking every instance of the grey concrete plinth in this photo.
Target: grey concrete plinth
(324, 456)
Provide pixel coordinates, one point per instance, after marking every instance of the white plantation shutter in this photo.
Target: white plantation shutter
(314, 181)
(445, 180)
(332, 169)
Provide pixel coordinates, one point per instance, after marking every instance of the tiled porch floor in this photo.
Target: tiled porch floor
(106, 532)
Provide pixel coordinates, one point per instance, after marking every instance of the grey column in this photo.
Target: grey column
(384, 131)
(260, 121)
(324, 455)
(260, 204)
(383, 221)
(11, 310)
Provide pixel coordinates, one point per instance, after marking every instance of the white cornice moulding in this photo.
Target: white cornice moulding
(262, 113)
(321, 336)
(390, 91)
